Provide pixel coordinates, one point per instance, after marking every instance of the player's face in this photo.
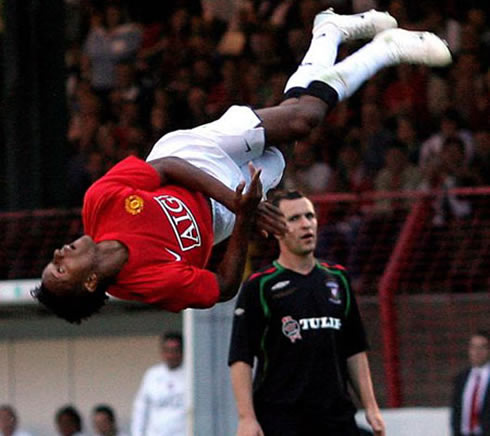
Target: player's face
(71, 264)
(300, 238)
(172, 353)
(478, 350)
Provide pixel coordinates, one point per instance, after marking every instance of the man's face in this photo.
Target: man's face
(66, 425)
(7, 422)
(71, 264)
(102, 423)
(300, 237)
(172, 353)
(478, 350)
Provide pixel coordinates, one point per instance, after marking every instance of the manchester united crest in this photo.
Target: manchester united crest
(134, 204)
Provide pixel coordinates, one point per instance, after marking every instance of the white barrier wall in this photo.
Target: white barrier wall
(46, 363)
(413, 421)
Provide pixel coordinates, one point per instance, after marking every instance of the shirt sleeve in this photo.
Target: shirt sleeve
(248, 325)
(176, 286)
(139, 416)
(353, 334)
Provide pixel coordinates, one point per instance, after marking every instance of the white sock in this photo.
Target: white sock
(320, 55)
(347, 76)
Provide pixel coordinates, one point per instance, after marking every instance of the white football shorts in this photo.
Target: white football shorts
(223, 149)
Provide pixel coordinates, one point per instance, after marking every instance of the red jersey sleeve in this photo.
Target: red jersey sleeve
(174, 286)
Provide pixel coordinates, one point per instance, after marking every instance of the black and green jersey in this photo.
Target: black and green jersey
(301, 329)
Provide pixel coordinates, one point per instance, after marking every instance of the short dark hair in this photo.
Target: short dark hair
(72, 413)
(73, 308)
(107, 410)
(173, 336)
(287, 194)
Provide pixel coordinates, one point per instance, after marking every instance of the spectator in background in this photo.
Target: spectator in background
(450, 125)
(161, 404)
(351, 174)
(397, 174)
(9, 422)
(104, 421)
(480, 166)
(374, 137)
(407, 94)
(407, 135)
(448, 172)
(111, 39)
(68, 421)
(470, 405)
(305, 171)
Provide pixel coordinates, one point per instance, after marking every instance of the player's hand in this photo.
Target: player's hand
(376, 422)
(246, 203)
(249, 427)
(270, 219)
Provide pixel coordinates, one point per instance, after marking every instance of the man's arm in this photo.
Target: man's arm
(140, 411)
(360, 377)
(180, 172)
(230, 270)
(241, 381)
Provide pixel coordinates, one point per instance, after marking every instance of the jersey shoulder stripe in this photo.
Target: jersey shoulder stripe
(333, 266)
(268, 270)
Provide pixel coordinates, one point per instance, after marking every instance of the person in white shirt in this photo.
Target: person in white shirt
(470, 411)
(9, 422)
(104, 421)
(161, 404)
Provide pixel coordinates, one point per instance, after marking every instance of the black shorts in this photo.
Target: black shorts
(296, 422)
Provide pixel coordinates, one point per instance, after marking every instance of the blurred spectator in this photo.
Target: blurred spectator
(406, 94)
(351, 174)
(9, 422)
(160, 407)
(111, 39)
(305, 172)
(68, 421)
(397, 175)
(467, 85)
(448, 172)
(374, 137)
(480, 166)
(450, 125)
(406, 134)
(104, 421)
(227, 91)
(470, 405)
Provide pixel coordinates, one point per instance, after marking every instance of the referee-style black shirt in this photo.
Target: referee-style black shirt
(301, 328)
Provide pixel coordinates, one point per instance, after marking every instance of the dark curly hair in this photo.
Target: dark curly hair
(73, 308)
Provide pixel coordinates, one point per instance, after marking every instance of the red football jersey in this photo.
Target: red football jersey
(168, 231)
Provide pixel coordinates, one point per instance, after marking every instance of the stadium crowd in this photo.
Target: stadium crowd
(134, 75)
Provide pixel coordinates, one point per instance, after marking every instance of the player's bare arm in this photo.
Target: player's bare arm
(178, 171)
(231, 268)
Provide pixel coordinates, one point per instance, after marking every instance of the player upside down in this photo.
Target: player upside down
(150, 226)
